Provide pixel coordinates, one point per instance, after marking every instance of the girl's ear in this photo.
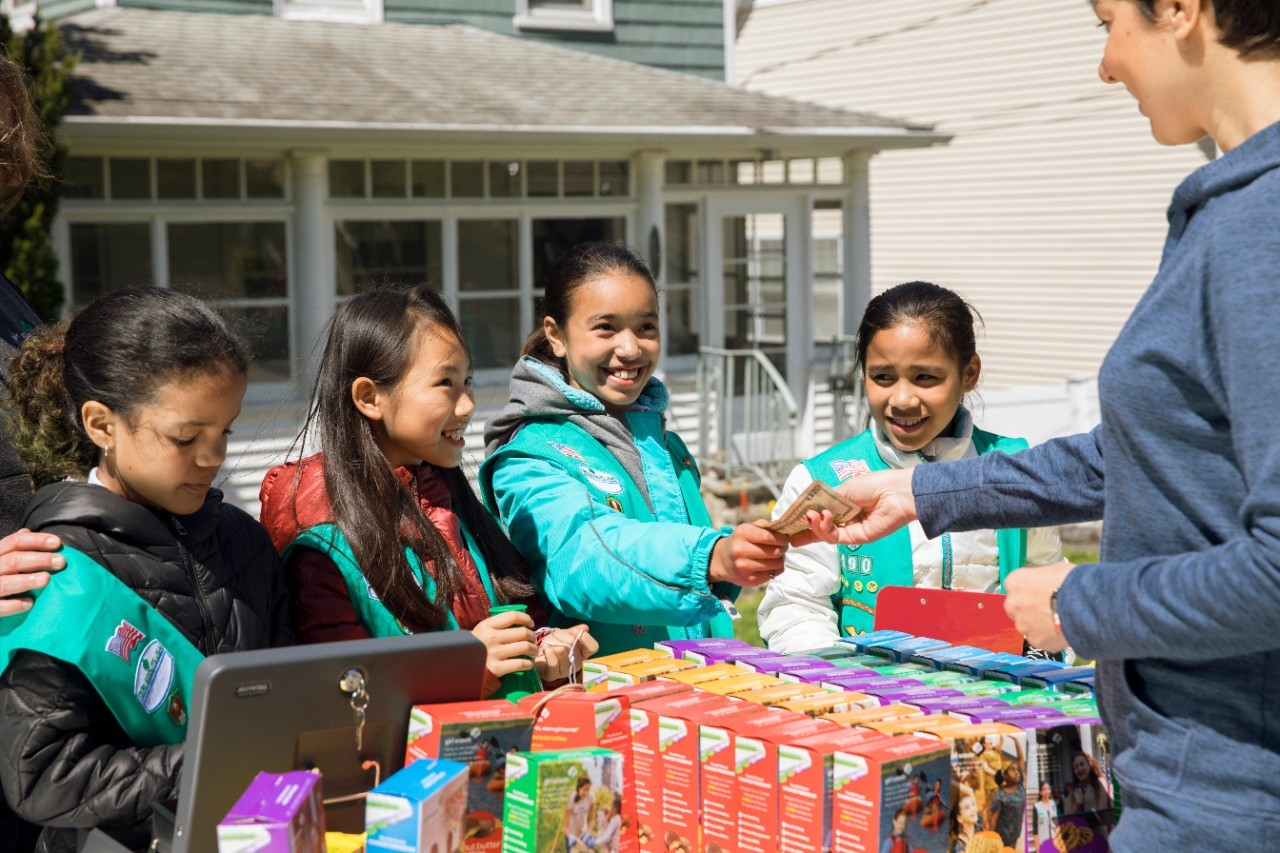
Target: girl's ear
(972, 371)
(367, 398)
(554, 337)
(99, 423)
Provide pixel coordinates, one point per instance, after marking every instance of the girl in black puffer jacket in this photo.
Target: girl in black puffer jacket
(135, 399)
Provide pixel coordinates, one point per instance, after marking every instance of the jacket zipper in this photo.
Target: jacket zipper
(189, 565)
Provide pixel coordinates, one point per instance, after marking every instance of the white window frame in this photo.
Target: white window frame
(597, 19)
(359, 12)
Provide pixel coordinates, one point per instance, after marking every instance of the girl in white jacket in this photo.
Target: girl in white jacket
(916, 351)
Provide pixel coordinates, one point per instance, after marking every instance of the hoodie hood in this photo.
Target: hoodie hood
(539, 391)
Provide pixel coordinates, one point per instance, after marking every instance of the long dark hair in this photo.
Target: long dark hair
(375, 335)
(117, 351)
(581, 265)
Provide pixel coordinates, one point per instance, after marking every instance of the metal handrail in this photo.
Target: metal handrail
(765, 412)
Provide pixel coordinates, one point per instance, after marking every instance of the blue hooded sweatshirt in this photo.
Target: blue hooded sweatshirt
(1183, 611)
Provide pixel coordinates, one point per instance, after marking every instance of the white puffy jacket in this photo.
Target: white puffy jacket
(797, 614)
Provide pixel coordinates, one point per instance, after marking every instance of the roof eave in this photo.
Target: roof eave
(719, 140)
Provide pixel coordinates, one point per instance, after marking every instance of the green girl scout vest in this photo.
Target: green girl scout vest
(865, 569)
(138, 662)
(329, 540)
(584, 459)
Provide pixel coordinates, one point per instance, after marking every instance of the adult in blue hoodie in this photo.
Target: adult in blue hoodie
(1183, 611)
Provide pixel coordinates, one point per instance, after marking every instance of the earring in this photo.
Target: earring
(106, 451)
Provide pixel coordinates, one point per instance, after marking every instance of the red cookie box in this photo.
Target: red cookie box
(878, 796)
(739, 777)
(481, 735)
(805, 767)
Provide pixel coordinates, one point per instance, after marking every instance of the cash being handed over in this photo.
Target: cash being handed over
(816, 497)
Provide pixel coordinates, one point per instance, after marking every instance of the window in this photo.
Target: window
(107, 257)
(489, 290)
(401, 252)
(682, 278)
(580, 15)
(342, 11)
(459, 179)
(165, 178)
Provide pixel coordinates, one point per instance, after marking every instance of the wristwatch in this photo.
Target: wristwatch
(1053, 609)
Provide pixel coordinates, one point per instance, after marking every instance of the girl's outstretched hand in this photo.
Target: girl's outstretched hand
(555, 661)
(749, 556)
(508, 639)
(886, 502)
(25, 563)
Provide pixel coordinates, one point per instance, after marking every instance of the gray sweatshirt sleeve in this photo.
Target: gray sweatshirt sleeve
(1058, 482)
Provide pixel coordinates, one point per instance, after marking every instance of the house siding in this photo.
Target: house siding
(1046, 210)
(677, 35)
(221, 7)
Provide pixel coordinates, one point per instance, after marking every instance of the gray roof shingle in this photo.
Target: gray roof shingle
(158, 68)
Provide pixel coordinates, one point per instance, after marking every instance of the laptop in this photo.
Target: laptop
(284, 709)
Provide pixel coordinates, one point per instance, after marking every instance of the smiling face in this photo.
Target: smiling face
(167, 453)
(610, 340)
(423, 416)
(914, 386)
(968, 810)
(1148, 58)
(1080, 766)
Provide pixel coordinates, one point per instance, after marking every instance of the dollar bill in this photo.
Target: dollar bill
(816, 497)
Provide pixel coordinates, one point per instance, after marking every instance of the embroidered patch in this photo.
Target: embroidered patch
(846, 468)
(153, 678)
(872, 586)
(177, 709)
(614, 503)
(637, 630)
(603, 481)
(123, 642)
(373, 596)
(857, 586)
(567, 451)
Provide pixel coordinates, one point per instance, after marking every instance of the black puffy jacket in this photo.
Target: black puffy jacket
(64, 760)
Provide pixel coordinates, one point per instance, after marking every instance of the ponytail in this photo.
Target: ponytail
(538, 347)
(42, 430)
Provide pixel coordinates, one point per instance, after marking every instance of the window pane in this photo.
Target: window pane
(264, 178)
(504, 180)
(679, 172)
(830, 170)
(773, 172)
(130, 178)
(579, 178)
(267, 331)
(108, 257)
(369, 253)
(84, 178)
(801, 171)
(553, 237)
(228, 260)
(492, 330)
(467, 180)
(544, 178)
(613, 177)
(488, 255)
(388, 178)
(681, 326)
(684, 243)
(220, 178)
(710, 172)
(346, 179)
(428, 179)
(176, 178)
(742, 172)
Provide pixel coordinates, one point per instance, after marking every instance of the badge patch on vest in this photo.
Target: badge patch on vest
(153, 678)
(614, 503)
(603, 481)
(177, 710)
(124, 641)
(567, 451)
(846, 468)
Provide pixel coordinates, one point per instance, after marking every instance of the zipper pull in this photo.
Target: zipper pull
(178, 526)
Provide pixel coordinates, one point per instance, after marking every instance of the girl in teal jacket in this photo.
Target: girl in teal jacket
(600, 498)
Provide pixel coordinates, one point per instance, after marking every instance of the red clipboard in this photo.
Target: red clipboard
(959, 616)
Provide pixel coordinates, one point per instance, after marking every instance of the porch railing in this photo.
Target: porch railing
(747, 419)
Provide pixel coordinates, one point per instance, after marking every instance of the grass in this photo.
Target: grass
(748, 628)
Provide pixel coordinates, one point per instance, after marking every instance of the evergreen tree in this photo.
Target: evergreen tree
(26, 244)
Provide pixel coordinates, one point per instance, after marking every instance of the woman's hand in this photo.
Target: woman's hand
(749, 556)
(553, 661)
(1028, 591)
(886, 502)
(509, 642)
(25, 563)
